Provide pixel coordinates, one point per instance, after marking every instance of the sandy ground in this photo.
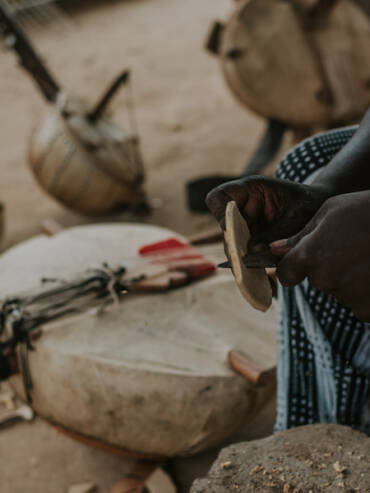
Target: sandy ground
(190, 125)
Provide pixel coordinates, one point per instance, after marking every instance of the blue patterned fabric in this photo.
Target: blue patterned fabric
(324, 351)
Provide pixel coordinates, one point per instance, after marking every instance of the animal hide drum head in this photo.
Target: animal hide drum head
(150, 374)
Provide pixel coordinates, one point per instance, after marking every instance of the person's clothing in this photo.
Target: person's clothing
(324, 351)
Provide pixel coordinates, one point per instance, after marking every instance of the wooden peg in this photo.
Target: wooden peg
(250, 369)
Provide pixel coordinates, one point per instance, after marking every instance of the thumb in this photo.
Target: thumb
(268, 234)
(218, 198)
(281, 247)
(288, 226)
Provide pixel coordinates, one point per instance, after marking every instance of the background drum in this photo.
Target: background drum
(302, 63)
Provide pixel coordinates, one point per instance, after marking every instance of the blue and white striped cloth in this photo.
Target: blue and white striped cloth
(324, 351)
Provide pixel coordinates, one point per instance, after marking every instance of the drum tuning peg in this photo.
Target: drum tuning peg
(103, 102)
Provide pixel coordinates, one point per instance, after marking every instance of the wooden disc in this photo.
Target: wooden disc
(253, 283)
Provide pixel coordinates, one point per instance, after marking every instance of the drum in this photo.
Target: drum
(300, 71)
(92, 168)
(151, 375)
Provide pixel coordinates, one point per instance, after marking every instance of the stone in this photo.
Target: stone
(315, 458)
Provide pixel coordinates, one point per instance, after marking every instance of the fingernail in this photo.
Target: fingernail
(279, 243)
(280, 247)
(257, 247)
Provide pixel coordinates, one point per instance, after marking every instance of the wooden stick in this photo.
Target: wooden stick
(100, 107)
(250, 369)
(29, 59)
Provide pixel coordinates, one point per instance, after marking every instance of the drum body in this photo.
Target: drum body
(151, 376)
(93, 168)
(285, 69)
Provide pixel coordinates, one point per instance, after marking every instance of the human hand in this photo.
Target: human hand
(273, 208)
(332, 251)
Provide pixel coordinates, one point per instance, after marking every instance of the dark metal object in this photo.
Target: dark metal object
(255, 261)
(98, 111)
(18, 41)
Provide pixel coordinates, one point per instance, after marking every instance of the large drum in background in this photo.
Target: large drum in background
(293, 68)
(150, 377)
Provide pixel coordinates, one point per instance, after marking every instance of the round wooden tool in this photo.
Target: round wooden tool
(253, 283)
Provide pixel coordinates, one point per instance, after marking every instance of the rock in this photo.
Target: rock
(326, 458)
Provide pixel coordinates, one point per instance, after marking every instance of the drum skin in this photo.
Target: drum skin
(151, 376)
(90, 168)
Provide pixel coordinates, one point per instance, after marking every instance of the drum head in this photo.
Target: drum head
(150, 376)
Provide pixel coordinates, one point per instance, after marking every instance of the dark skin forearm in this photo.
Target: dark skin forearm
(349, 170)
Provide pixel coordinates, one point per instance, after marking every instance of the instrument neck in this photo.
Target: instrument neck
(18, 41)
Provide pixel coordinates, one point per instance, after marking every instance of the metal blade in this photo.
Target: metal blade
(255, 261)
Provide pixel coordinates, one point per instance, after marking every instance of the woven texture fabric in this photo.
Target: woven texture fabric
(324, 351)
